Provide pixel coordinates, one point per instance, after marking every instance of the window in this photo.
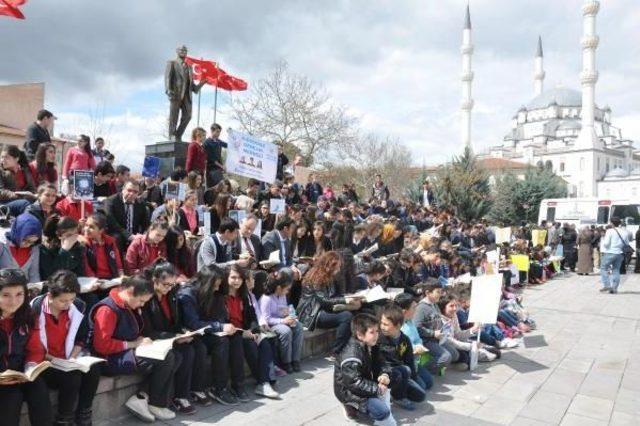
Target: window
(606, 166)
(581, 163)
(598, 162)
(548, 165)
(562, 166)
(603, 215)
(629, 213)
(551, 214)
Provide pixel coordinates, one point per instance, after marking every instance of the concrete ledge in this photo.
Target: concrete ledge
(113, 392)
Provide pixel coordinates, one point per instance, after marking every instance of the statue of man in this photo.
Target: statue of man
(178, 83)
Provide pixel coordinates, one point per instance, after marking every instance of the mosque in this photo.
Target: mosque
(562, 128)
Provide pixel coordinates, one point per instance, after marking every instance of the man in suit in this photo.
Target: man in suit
(247, 242)
(279, 239)
(126, 215)
(178, 83)
(217, 248)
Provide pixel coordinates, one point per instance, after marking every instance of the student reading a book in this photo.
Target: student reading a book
(63, 332)
(242, 314)
(372, 275)
(179, 254)
(162, 320)
(103, 255)
(117, 331)
(188, 217)
(15, 180)
(202, 304)
(146, 248)
(282, 319)
(21, 349)
(21, 250)
(317, 307)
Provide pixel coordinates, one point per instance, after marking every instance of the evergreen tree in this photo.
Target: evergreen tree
(518, 200)
(464, 187)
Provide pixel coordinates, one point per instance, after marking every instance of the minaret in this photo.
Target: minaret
(589, 76)
(467, 78)
(539, 69)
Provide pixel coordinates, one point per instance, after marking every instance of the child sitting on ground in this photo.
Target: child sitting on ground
(354, 381)
(397, 354)
(408, 306)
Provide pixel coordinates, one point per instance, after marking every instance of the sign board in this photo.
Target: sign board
(83, 184)
(250, 157)
(486, 291)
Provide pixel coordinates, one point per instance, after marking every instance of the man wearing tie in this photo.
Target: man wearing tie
(217, 249)
(126, 215)
(279, 239)
(248, 243)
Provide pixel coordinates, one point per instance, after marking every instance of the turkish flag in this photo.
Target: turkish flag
(203, 70)
(10, 8)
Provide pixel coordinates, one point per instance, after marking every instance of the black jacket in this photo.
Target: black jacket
(35, 209)
(35, 136)
(117, 217)
(55, 258)
(156, 324)
(397, 353)
(355, 377)
(312, 301)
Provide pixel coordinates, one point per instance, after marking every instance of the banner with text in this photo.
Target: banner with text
(250, 157)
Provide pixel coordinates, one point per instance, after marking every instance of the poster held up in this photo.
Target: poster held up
(250, 157)
(83, 184)
(486, 291)
(277, 206)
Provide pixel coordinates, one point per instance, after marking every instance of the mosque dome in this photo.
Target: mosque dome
(560, 96)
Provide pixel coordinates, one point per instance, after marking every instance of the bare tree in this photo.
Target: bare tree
(97, 126)
(289, 108)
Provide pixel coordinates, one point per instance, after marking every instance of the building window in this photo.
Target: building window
(581, 163)
(606, 166)
(581, 189)
(598, 162)
(562, 166)
(548, 165)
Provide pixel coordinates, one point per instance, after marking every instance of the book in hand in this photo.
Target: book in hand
(368, 251)
(371, 295)
(29, 375)
(273, 260)
(158, 349)
(89, 284)
(82, 363)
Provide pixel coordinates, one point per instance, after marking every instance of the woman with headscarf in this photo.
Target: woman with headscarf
(21, 249)
(585, 251)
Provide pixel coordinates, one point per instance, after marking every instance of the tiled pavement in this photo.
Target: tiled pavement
(581, 367)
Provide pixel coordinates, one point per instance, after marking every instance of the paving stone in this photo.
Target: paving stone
(547, 407)
(564, 382)
(601, 384)
(499, 410)
(588, 406)
(623, 419)
(575, 420)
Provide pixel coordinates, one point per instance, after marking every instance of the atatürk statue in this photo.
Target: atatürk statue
(178, 83)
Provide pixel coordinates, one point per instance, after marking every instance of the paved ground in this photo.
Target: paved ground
(581, 367)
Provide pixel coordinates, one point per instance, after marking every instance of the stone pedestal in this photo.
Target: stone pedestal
(171, 155)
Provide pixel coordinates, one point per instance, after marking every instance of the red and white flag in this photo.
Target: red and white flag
(11, 8)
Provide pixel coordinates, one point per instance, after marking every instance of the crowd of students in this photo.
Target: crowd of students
(176, 276)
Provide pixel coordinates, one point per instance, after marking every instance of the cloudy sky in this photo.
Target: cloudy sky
(394, 64)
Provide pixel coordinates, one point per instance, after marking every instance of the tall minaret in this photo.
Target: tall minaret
(589, 75)
(539, 69)
(467, 78)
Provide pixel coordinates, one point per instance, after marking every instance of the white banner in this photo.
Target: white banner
(251, 157)
(485, 298)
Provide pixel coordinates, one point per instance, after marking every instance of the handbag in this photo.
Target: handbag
(626, 249)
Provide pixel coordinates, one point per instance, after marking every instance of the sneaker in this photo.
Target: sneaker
(288, 368)
(267, 391)
(460, 366)
(405, 404)
(487, 356)
(604, 289)
(279, 371)
(161, 413)
(441, 371)
(183, 406)
(350, 413)
(139, 407)
(612, 291)
(224, 397)
(508, 343)
(296, 366)
(240, 394)
(201, 398)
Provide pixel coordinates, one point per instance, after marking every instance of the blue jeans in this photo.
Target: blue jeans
(613, 261)
(440, 357)
(402, 386)
(16, 207)
(377, 409)
(424, 378)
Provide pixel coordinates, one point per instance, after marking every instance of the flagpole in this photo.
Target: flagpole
(199, 93)
(215, 105)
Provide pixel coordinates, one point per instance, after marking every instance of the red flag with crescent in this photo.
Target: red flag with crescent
(203, 70)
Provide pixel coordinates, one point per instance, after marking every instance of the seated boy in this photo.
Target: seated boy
(354, 382)
(397, 354)
(408, 306)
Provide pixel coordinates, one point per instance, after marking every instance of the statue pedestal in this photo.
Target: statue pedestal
(171, 155)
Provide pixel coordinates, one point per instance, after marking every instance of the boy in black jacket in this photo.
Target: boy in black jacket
(355, 382)
(397, 354)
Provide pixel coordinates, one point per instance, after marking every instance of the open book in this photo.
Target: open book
(371, 295)
(273, 260)
(368, 251)
(29, 375)
(87, 284)
(462, 279)
(159, 349)
(82, 363)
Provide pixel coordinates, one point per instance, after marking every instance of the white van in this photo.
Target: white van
(591, 211)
